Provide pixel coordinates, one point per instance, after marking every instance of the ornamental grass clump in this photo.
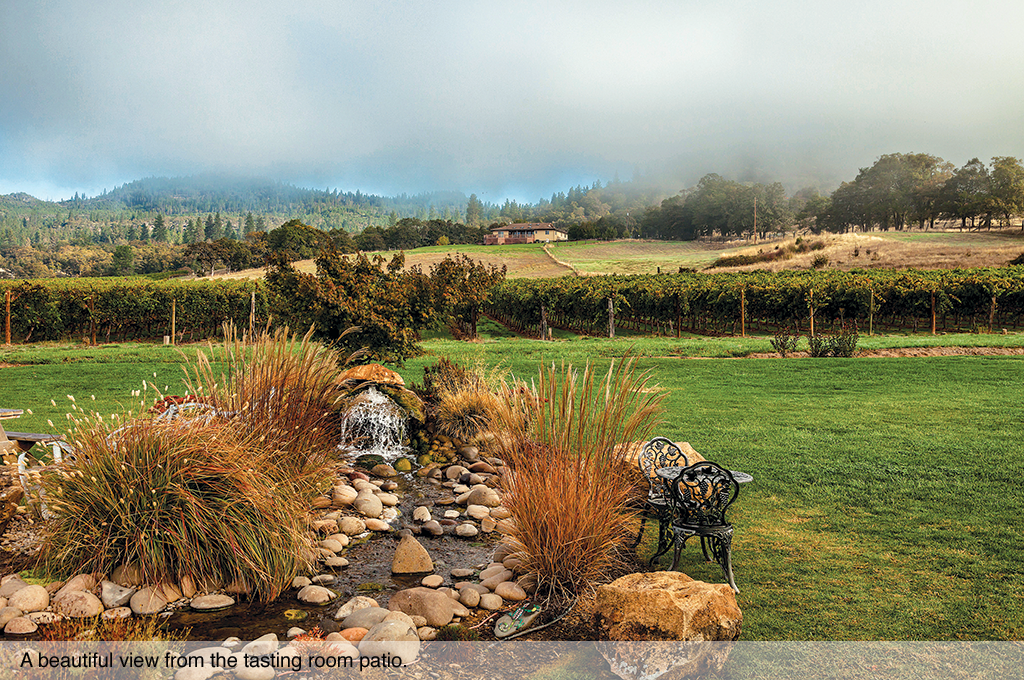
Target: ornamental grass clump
(180, 498)
(568, 489)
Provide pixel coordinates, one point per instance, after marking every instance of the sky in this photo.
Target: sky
(505, 100)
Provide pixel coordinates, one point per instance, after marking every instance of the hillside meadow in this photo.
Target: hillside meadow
(886, 495)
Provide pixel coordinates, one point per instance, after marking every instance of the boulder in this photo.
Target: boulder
(374, 373)
(147, 601)
(367, 617)
(433, 605)
(113, 595)
(666, 605)
(396, 638)
(411, 557)
(356, 603)
(483, 495)
(368, 505)
(675, 661)
(30, 599)
(80, 582)
(78, 604)
(20, 625)
(315, 595)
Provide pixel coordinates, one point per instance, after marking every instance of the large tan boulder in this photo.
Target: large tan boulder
(666, 605)
(374, 373)
(433, 605)
(411, 557)
(702, 619)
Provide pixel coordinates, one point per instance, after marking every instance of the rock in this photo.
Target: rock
(492, 569)
(483, 495)
(462, 573)
(12, 586)
(377, 525)
(500, 512)
(169, 592)
(433, 527)
(238, 588)
(116, 613)
(396, 638)
(332, 545)
(373, 373)
(411, 557)
(666, 605)
(400, 616)
(300, 582)
(421, 514)
(354, 634)
(365, 618)
(488, 525)
(469, 597)
(187, 586)
(482, 467)
(466, 530)
(315, 595)
(491, 602)
(255, 673)
(341, 538)
(353, 526)
(454, 472)
(343, 496)
(8, 613)
(294, 631)
(46, 617)
(403, 465)
(20, 625)
(127, 575)
(321, 502)
(335, 562)
(80, 582)
(469, 453)
(368, 505)
(325, 526)
(383, 470)
(388, 499)
(209, 603)
(433, 605)
(147, 601)
(356, 603)
(79, 604)
(491, 582)
(113, 595)
(265, 644)
(426, 633)
(432, 581)
(478, 511)
(30, 599)
(510, 591)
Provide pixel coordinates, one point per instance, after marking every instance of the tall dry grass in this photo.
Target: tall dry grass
(568, 488)
(177, 499)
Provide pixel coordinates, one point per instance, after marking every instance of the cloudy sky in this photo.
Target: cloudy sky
(513, 99)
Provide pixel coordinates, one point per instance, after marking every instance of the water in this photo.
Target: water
(376, 425)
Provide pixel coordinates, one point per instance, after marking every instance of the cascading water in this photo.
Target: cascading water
(375, 425)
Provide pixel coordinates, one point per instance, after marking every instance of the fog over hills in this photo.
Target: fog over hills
(505, 101)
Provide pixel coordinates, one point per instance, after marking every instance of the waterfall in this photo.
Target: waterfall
(375, 424)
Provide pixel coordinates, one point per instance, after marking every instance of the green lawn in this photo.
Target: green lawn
(887, 496)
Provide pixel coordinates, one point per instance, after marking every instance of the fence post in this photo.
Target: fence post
(992, 314)
(252, 314)
(933, 313)
(812, 312)
(174, 311)
(7, 323)
(871, 314)
(743, 312)
(611, 318)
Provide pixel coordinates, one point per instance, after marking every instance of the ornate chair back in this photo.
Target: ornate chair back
(658, 453)
(701, 494)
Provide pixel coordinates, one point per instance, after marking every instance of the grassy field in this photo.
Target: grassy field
(887, 496)
(917, 249)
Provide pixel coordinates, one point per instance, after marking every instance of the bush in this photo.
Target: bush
(196, 499)
(785, 341)
(568, 488)
(820, 261)
(465, 413)
(841, 341)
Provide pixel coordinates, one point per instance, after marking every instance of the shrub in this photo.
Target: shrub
(466, 413)
(820, 261)
(785, 341)
(182, 498)
(841, 341)
(568, 488)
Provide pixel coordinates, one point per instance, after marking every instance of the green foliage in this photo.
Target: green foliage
(784, 341)
(457, 633)
(841, 341)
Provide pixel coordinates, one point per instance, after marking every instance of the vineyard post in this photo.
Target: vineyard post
(92, 319)
(611, 318)
(871, 314)
(812, 313)
(7, 323)
(174, 311)
(252, 313)
(743, 309)
(543, 323)
(933, 313)
(679, 320)
(992, 314)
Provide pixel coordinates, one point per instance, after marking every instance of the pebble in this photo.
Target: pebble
(374, 524)
(300, 582)
(432, 581)
(478, 511)
(335, 562)
(421, 514)
(323, 579)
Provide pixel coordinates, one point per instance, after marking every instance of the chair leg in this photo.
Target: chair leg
(664, 540)
(721, 547)
(640, 534)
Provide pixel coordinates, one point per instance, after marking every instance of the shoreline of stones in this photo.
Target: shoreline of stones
(358, 504)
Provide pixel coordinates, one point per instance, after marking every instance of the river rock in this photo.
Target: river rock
(469, 597)
(426, 633)
(491, 602)
(483, 495)
(127, 575)
(432, 581)
(383, 470)
(500, 512)
(411, 557)
(11, 586)
(510, 591)
(488, 525)
(396, 638)
(45, 617)
(300, 582)
(20, 625)
(80, 582)
(368, 505)
(354, 634)
(469, 453)
(433, 527)
(187, 586)
(332, 545)
(8, 613)
(467, 530)
(209, 603)
(113, 595)
(315, 595)
(340, 538)
(265, 644)
(116, 613)
(492, 581)
(421, 514)
(666, 605)
(433, 605)
(343, 495)
(79, 604)
(31, 598)
(454, 472)
(356, 603)
(462, 572)
(324, 526)
(335, 562)
(365, 618)
(377, 525)
(147, 601)
(478, 511)
(388, 499)
(353, 526)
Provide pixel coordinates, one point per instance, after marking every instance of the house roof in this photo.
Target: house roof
(529, 226)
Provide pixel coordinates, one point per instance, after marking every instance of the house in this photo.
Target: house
(525, 233)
